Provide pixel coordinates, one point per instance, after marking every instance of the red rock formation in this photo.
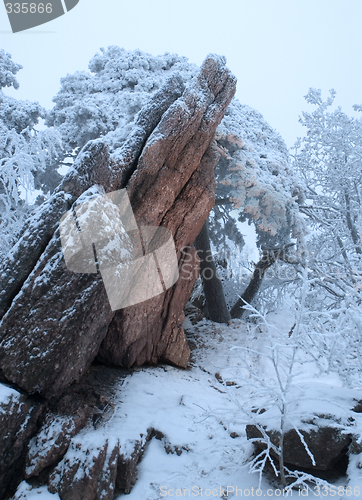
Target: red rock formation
(173, 186)
(58, 321)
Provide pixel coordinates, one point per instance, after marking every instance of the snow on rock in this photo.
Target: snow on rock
(57, 322)
(6, 395)
(89, 468)
(52, 441)
(179, 155)
(165, 429)
(26, 492)
(48, 338)
(20, 261)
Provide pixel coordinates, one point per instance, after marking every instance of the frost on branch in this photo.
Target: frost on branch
(328, 159)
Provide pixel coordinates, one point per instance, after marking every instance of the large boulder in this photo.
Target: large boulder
(57, 321)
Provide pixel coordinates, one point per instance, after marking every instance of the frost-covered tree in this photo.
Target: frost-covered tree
(329, 159)
(254, 177)
(8, 71)
(105, 100)
(257, 177)
(26, 155)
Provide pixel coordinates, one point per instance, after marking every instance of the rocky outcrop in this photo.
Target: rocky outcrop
(180, 156)
(56, 321)
(71, 450)
(86, 403)
(88, 479)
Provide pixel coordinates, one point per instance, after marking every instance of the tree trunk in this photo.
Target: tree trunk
(212, 285)
(351, 225)
(268, 259)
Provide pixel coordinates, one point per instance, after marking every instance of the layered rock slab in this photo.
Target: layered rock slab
(92, 166)
(173, 186)
(59, 321)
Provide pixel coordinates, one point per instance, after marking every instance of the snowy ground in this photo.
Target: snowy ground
(202, 413)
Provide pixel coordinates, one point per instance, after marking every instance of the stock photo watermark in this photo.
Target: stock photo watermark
(235, 491)
(26, 15)
(101, 234)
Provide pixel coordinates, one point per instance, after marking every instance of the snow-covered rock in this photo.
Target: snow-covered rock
(60, 320)
(18, 422)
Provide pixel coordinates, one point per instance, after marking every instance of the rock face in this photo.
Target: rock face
(55, 322)
(18, 422)
(183, 163)
(87, 402)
